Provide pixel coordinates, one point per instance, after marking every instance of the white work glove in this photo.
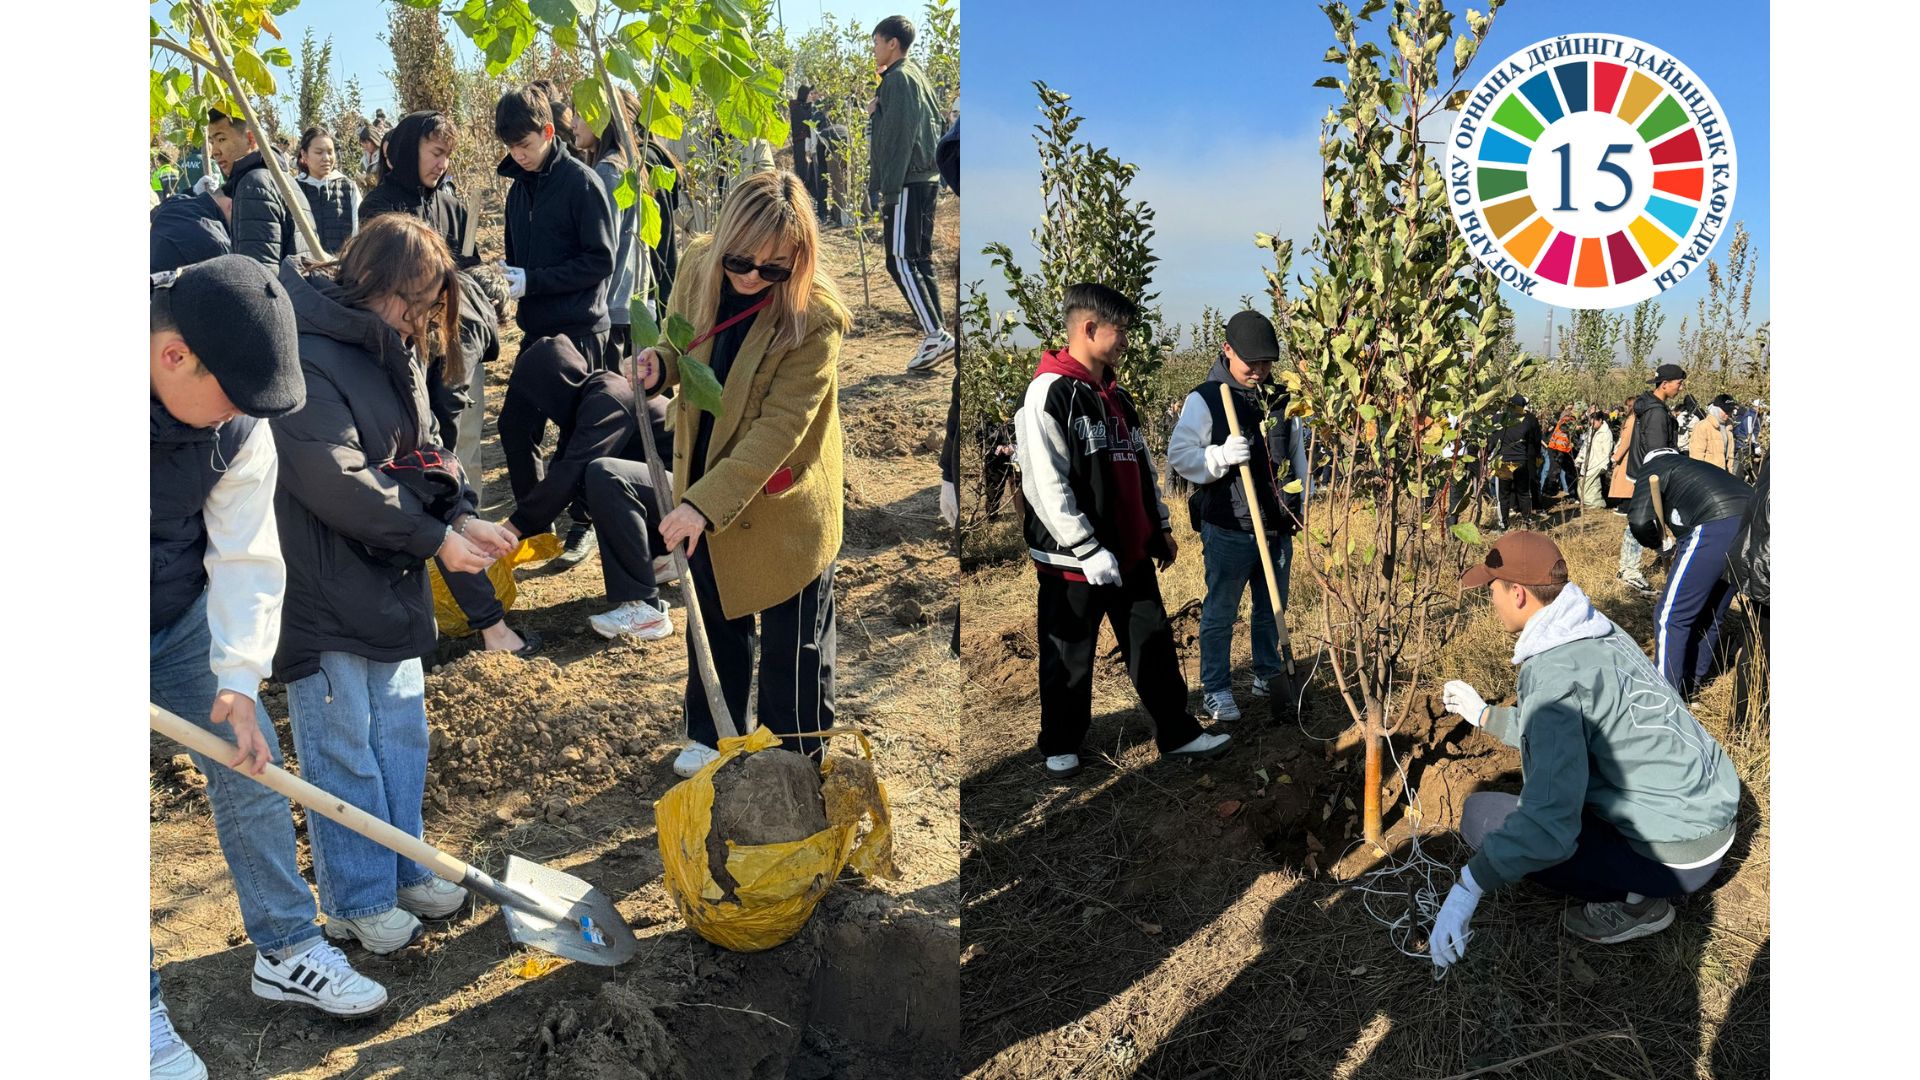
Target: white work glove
(1462, 700)
(1101, 568)
(204, 185)
(1448, 942)
(1235, 451)
(949, 504)
(516, 282)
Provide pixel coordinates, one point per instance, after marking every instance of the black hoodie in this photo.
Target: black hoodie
(1653, 429)
(559, 230)
(551, 381)
(263, 225)
(401, 192)
(365, 494)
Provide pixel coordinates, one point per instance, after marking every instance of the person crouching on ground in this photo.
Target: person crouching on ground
(1626, 801)
(1204, 451)
(1095, 526)
(761, 483)
(366, 498)
(598, 445)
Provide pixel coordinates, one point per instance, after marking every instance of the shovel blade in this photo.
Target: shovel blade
(593, 931)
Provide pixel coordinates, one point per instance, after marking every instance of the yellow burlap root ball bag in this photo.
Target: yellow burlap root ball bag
(777, 886)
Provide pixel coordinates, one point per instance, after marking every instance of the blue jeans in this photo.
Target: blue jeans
(254, 824)
(1232, 561)
(361, 729)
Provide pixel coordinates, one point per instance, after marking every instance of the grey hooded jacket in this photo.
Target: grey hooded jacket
(1599, 730)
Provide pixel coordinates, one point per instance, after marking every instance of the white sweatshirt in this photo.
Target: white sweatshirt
(246, 577)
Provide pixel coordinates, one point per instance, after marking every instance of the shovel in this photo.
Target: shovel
(544, 908)
(1285, 681)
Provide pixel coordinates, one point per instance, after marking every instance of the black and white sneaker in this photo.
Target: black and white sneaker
(933, 351)
(320, 977)
(581, 542)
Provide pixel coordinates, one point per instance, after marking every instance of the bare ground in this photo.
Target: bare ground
(559, 759)
(1188, 922)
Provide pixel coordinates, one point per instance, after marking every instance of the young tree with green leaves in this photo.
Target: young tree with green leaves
(313, 88)
(1394, 358)
(1589, 342)
(1642, 338)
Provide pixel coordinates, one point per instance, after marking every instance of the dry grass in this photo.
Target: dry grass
(1133, 923)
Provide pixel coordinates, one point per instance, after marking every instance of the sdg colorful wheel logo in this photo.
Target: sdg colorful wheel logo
(1591, 171)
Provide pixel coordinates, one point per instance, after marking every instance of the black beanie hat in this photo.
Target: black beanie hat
(1252, 337)
(239, 321)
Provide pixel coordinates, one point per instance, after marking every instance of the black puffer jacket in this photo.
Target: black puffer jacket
(186, 229)
(1751, 570)
(1653, 429)
(365, 498)
(263, 225)
(560, 231)
(1519, 441)
(401, 192)
(334, 203)
(1693, 492)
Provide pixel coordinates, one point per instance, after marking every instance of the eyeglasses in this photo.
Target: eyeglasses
(740, 264)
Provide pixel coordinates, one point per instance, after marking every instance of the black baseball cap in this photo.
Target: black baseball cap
(239, 322)
(1667, 373)
(1252, 337)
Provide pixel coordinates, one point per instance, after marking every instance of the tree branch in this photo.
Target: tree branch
(174, 46)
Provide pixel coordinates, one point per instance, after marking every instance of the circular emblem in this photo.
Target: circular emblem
(1591, 171)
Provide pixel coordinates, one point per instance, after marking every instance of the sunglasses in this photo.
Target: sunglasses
(740, 264)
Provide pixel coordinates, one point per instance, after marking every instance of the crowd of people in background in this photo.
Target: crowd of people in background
(318, 372)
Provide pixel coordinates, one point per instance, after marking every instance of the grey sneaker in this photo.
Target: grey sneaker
(434, 898)
(390, 931)
(1262, 687)
(1618, 921)
(168, 1057)
(1221, 706)
(581, 542)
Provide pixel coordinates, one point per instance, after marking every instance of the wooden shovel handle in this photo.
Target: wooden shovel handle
(1659, 504)
(1259, 527)
(315, 800)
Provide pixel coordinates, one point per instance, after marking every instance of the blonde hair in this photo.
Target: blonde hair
(776, 207)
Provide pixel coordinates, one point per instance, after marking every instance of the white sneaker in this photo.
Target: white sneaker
(435, 898)
(1061, 766)
(168, 1056)
(1261, 687)
(391, 931)
(933, 350)
(635, 619)
(694, 758)
(1221, 706)
(320, 977)
(664, 572)
(1204, 745)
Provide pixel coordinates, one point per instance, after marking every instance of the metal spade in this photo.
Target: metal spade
(546, 909)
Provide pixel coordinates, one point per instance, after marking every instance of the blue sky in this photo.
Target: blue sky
(1216, 105)
(358, 26)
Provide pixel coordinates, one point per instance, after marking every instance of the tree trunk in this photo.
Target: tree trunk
(1370, 806)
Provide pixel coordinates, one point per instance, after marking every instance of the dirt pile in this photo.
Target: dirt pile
(770, 797)
(617, 1038)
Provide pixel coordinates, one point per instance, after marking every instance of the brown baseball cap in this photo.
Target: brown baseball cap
(1522, 558)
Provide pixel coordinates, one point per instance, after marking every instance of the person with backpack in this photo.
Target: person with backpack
(223, 368)
(904, 182)
(1096, 528)
(1204, 450)
(366, 497)
(332, 196)
(759, 488)
(1626, 801)
(1650, 427)
(1703, 505)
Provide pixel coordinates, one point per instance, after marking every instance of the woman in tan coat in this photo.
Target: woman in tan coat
(1711, 440)
(759, 485)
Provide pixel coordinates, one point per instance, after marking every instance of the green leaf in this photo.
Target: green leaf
(645, 331)
(623, 193)
(252, 71)
(698, 385)
(731, 12)
(620, 64)
(567, 36)
(1467, 532)
(679, 331)
(715, 80)
(650, 224)
(560, 12)
(1327, 82)
(590, 102)
(661, 178)
(278, 57)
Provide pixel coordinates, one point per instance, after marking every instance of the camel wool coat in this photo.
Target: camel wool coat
(779, 409)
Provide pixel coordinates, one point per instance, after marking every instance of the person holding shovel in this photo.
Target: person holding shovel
(223, 363)
(1096, 527)
(1625, 800)
(1204, 450)
(366, 497)
(758, 485)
